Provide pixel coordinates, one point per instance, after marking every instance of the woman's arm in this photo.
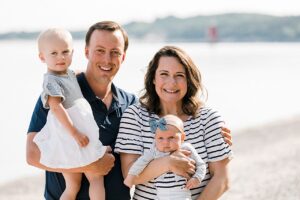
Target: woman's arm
(154, 169)
(101, 166)
(219, 182)
(178, 163)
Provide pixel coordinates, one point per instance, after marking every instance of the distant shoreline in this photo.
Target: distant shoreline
(133, 40)
(229, 27)
(265, 166)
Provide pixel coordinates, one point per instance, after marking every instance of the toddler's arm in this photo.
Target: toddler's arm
(61, 114)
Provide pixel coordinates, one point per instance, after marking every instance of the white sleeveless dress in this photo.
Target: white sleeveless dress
(58, 148)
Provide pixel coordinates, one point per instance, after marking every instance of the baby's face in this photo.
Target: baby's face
(168, 140)
(57, 54)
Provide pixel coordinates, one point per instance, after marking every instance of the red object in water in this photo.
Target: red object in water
(213, 34)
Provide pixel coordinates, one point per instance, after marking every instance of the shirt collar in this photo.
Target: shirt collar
(118, 99)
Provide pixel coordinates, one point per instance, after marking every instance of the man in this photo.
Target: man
(106, 45)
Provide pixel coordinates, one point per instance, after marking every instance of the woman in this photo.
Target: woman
(173, 85)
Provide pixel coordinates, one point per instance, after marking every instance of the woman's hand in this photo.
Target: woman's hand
(181, 164)
(227, 135)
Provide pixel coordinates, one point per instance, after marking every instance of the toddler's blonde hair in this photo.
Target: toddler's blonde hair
(51, 33)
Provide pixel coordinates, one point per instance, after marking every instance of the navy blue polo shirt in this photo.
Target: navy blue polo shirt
(108, 122)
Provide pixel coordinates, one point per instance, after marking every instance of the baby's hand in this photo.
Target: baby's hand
(192, 183)
(81, 139)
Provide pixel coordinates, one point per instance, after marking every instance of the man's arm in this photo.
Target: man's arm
(101, 166)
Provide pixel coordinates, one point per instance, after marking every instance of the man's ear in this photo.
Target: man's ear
(86, 52)
(123, 57)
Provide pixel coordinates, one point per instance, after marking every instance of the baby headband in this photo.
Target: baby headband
(161, 124)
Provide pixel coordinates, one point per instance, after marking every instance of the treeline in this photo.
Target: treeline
(229, 28)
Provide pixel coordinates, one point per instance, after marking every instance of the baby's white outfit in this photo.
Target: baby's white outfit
(58, 148)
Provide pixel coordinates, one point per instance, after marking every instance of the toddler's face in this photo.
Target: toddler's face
(168, 140)
(57, 54)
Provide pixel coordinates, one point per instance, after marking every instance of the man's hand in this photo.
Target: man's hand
(227, 135)
(181, 164)
(103, 165)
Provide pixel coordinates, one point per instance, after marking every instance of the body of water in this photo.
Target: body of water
(249, 83)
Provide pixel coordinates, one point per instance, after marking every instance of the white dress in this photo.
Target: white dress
(58, 148)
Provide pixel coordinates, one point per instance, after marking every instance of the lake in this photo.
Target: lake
(249, 83)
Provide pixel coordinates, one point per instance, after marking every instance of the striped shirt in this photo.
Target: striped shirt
(203, 131)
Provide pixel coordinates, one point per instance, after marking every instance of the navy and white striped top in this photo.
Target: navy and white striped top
(202, 131)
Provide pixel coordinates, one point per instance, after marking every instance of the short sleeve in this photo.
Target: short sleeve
(217, 148)
(51, 87)
(129, 139)
(38, 118)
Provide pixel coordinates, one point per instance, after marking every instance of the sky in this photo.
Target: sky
(36, 15)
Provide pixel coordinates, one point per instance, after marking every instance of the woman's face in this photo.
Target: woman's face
(170, 80)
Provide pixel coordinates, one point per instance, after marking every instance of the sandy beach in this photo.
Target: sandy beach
(265, 166)
(266, 163)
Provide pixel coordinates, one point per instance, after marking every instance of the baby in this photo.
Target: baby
(169, 137)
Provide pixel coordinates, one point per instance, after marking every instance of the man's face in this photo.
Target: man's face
(105, 54)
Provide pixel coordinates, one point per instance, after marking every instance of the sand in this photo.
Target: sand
(29, 188)
(265, 166)
(266, 163)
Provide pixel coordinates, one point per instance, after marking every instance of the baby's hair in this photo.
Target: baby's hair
(174, 121)
(51, 33)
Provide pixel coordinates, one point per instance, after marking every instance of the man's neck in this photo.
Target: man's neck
(102, 91)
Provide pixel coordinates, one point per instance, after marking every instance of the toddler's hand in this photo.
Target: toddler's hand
(81, 139)
(192, 183)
